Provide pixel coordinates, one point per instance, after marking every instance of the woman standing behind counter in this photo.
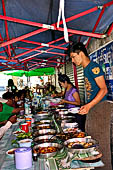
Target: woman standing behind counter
(71, 95)
(71, 98)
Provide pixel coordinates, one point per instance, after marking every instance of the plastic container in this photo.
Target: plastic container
(23, 158)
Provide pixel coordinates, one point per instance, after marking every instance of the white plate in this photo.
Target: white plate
(74, 110)
(58, 100)
(9, 152)
(16, 133)
(70, 125)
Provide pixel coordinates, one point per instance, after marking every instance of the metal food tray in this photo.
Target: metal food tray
(85, 150)
(41, 116)
(47, 155)
(44, 132)
(48, 137)
(43, 121)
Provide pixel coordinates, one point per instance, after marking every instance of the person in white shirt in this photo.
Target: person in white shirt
(4, 128)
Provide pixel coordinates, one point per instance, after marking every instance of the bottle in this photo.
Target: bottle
(26, 108)
(34, 155)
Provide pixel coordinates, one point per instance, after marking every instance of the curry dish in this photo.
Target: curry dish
(48, 149)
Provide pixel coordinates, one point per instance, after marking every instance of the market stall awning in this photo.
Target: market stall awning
(35, 34)
(36, 72)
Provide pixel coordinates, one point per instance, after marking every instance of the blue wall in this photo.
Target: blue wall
(104, 56)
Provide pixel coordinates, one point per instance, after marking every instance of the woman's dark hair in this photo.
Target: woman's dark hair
(10, 83)
(63, 77)
(76, 48)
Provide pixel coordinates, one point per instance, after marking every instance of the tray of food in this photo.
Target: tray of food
(66, 136)
(42, 126)
(81, 145)
(18, 132)
(46, 121)
(22, 136)
(42, 112)
(45, 138)
(44, 132)
(89, 156)
(41, 116)
(67, 125)
(70, 130)
(65, 117)
(46, 150)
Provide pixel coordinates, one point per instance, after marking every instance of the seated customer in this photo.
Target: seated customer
(49, 89)
(7, 108)
(16, 99)
(4, 128)
(11, 87)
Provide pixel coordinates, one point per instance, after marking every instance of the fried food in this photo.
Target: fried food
(48, 149)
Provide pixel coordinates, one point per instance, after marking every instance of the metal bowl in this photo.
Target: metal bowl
(44, 132)
(43, 122)
(47, 155)
(43, 125)
(44, 111)
(46, 121)
(41, 116)
(67, 125)
(71, 125)
(67, 117)
(40, 127)
(42, 139)
(70, 130)
(63, 112)
(84, 150)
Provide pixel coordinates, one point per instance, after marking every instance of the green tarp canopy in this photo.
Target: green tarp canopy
(36, 72)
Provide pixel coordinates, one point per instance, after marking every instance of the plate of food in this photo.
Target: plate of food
(46, 150)
(11, 152)
(46, 121)
(42, 112)
(71, 124)
(44, 132)
(45, 139)
(18, 132)
(80, 145)
(65, 136)
(89, 156)
(70, 130)
(74, 110)
(43, 126)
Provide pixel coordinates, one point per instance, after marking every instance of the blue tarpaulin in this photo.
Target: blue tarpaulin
(46, 12)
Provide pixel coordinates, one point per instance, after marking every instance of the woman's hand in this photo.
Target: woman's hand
(62, 101)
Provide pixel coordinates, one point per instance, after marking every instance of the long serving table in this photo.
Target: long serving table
(7, 162)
